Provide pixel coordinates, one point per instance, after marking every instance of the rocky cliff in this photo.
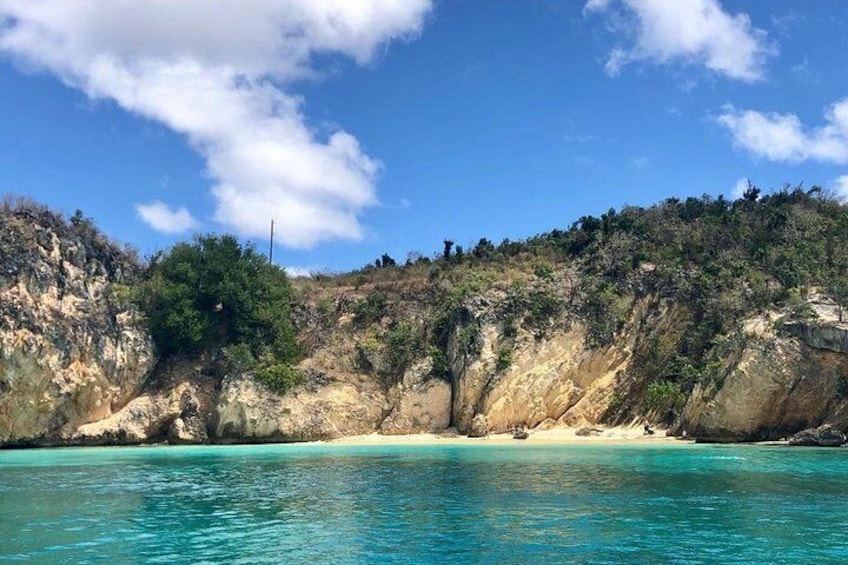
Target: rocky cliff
(786, 377)
(73, 349)
(482, 347)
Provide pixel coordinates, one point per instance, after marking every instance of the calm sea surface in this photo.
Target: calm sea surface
(518, 504)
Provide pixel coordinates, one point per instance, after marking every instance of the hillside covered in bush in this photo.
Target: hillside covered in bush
(716, 262)
(654, 314)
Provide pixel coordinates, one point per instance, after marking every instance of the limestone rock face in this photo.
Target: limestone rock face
(421, 403)
(794, 378)
(831, 337)
(178, 408)
(479, 426)
(471, 376)
(72, 348)
(190, 426)
(823, 436)
(556, 378)
(246, 411)
(189, 431)
(778, 386)
(78, 366)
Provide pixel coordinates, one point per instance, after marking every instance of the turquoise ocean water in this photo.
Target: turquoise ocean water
(520, 504)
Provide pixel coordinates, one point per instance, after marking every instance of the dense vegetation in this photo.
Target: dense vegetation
(215, 297)
(713, 261)
(718, 261)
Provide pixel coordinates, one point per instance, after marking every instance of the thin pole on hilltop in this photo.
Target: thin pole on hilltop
(271, 247)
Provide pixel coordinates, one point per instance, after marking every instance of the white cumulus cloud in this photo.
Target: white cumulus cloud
(221, 73)
(840, 188)
(688, 31)
(161, 218)
(782, 137)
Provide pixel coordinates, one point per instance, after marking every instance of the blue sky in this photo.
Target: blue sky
(386, 126)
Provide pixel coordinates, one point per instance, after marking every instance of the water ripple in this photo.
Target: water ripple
(442, 504)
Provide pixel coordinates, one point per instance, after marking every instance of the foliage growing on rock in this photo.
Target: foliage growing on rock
(279, 377)
(369, 309)
(71, 342)
(666, 399)
(646, 305)
(404, 344)
(504, 359)
(215, 293)
(712, 261)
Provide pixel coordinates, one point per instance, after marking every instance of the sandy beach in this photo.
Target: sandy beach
(561, 435)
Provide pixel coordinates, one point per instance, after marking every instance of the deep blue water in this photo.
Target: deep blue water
(520, 504)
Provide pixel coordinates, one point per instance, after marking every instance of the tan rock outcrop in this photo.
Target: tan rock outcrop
(247, 411)
(779, 386)
(177, 408)
(556, 378)
(77, 362)
(479, 426)
(421, 403)
(72, 350)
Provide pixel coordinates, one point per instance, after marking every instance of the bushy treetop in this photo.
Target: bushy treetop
(214, 293)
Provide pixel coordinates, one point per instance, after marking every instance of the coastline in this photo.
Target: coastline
(617, 435)
(614, 435)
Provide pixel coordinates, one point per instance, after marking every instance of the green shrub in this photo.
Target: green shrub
(544, 271)
(216, 295)
(449, 314)
(542, 306)
(278, 377)
(122, 295)
(510, 329)
(504, 360)
(799, 308)
(369, 310)
(666, 398)
(403, 345)
(367, 353)
(326, 307)
(712, 373)
(468, 340)
(616, 402)
(239, 358)
(441, 367)
(603, 311)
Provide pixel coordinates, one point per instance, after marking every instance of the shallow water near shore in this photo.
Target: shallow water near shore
(425, 504)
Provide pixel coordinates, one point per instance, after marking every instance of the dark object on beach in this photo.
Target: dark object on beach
(823, 436)
(648, 430)
(520, 432)
(588, 431)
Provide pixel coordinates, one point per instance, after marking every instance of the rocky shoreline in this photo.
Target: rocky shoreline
(823, 436)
